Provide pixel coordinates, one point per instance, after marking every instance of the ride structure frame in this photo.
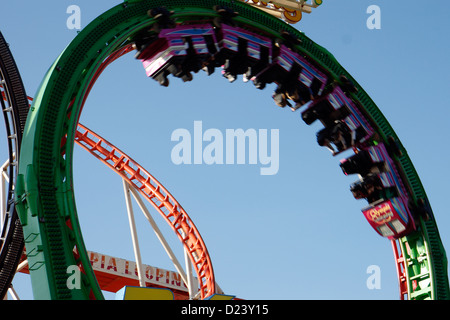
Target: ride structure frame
(44, 188)
(14, 105)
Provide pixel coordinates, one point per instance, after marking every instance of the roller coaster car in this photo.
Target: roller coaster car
(378, 176)
(374, 187)
(178, 51)
(390, 212)
(340, 134)
(391, 218)
(295, 76)
(292, 89)
(333, 106)
(362, 163)
(322, 109)
(328, 108)
(242, 52)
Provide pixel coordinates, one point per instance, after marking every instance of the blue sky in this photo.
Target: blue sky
(298, 234)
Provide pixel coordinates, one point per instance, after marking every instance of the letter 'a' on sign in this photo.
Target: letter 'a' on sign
(140, 293)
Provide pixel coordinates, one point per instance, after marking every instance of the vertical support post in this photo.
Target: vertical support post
(191, 284)
(159, 235)
(400, 266)
(3, 198)
(13, 293)
(137, 251)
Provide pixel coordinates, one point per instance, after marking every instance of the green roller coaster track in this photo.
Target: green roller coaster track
(44, 192)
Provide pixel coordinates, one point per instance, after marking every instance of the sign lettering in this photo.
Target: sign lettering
(381, 214)
(128, 269)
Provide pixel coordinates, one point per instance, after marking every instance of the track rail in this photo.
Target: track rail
(44, 186)
(15, 109)
(160, 199)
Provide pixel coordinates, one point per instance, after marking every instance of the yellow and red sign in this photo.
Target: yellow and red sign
(381, 214)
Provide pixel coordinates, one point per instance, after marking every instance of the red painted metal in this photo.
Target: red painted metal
(159, 197)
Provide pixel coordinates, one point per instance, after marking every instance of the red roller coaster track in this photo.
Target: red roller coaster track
(160, 199)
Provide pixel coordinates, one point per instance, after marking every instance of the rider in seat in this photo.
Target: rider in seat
(338, 134)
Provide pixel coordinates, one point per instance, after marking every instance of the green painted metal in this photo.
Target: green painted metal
(44, 190)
